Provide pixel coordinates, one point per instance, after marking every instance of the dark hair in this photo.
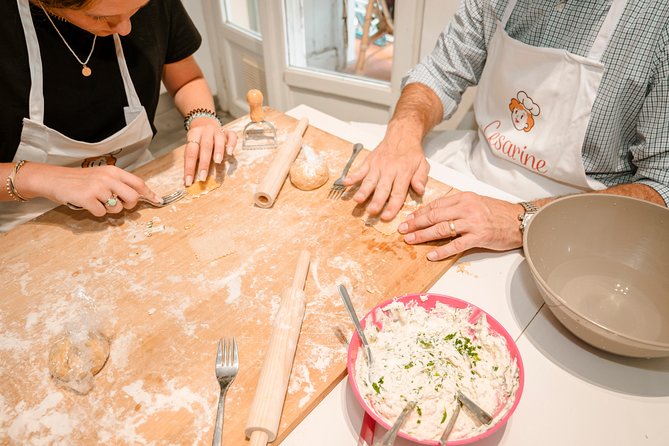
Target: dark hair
(65, 4)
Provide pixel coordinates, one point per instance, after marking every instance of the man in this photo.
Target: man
(572, 97)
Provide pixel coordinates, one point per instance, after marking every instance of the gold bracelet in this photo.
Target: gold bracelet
(11, 187)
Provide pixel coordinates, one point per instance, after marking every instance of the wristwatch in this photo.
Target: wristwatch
(525, 217)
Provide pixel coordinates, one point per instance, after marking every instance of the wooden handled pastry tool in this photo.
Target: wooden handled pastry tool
(265, 414)
(258, 134)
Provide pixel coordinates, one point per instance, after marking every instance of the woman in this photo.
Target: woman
(81, 81)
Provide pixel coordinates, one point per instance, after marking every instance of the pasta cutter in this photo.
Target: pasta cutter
(258, 134)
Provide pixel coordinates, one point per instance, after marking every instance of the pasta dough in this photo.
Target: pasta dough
(76, 357)
(309, 171)
(412, 203)
(213, 245)
(199, 188)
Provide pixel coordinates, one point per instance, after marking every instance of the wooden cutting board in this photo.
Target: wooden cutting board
(165, 284)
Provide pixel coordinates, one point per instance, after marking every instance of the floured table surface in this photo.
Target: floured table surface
(165, 284)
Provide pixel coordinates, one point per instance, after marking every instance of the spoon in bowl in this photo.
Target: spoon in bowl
(358, 328)
(389, 438)
(483, 416)
(450, 424)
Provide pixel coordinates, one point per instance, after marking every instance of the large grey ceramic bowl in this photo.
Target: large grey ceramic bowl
(601, 263)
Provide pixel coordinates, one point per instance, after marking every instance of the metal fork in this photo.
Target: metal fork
(227, 366)
(389, 438)
(338, 186)
(167, 199)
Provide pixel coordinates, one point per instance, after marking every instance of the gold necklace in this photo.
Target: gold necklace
(85, 69)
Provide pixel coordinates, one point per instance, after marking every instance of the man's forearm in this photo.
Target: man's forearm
(418, 110)
(635, 190)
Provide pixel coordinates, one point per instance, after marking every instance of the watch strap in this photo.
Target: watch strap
(524, 218)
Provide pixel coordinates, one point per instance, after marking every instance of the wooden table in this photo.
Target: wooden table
(165, 284)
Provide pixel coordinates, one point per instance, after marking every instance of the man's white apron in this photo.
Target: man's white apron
(532, 108)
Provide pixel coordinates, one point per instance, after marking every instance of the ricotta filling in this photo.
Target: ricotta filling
(427, 357)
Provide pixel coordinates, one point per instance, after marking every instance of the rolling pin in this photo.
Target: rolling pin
(265, 414)
(277, 173)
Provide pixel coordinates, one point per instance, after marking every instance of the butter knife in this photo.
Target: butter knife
(483, 416)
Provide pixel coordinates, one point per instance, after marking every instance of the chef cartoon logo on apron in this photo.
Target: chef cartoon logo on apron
(523, 111)
(515, 142)
(104, 160)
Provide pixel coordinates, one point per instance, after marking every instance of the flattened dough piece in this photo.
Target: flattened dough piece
(203, 187)
(413, 202)
(76, 357)
(213, 245)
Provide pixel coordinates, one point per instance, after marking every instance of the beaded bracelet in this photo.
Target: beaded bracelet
(200, 113)
(11, 187)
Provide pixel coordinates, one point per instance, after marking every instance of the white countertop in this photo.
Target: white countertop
(574, 394)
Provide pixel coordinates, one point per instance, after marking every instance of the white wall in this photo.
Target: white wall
(203, 55)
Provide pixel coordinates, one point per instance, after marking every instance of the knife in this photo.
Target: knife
(483, 416)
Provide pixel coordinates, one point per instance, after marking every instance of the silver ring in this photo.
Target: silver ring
(112, 201)
(193, 142)
(451, 226)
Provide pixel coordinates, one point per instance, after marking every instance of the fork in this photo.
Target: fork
(165, 200)
(338, 186)
(389, 438)
(227, 366)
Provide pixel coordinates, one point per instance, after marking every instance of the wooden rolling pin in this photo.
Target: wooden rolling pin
(265, 414)
(270, 186)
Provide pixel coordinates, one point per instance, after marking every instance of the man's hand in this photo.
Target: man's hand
(399, 162)
(387, 173)
(478, 221)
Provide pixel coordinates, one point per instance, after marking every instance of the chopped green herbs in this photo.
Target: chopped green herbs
(378, 385)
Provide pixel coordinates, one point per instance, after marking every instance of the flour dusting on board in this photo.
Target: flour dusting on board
(164, 307)
(301, 382)
(50, 425)
(175, 398)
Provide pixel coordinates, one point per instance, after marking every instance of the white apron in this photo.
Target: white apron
(127, 148)
(532, 108)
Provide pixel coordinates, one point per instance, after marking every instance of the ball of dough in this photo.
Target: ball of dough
(310, 171)
(75, 359)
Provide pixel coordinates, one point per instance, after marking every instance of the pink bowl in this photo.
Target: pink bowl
(428, 301)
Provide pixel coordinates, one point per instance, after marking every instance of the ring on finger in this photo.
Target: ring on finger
(451, 226)
(192, 141)
(112, 201)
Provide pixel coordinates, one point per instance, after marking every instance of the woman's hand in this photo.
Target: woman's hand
(90, 188)
(478, 221)
(206, 140)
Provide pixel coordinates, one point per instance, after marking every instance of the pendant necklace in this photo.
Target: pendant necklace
(85, 69)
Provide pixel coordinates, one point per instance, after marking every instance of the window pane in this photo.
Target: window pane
(243, 14)
(353, 37)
